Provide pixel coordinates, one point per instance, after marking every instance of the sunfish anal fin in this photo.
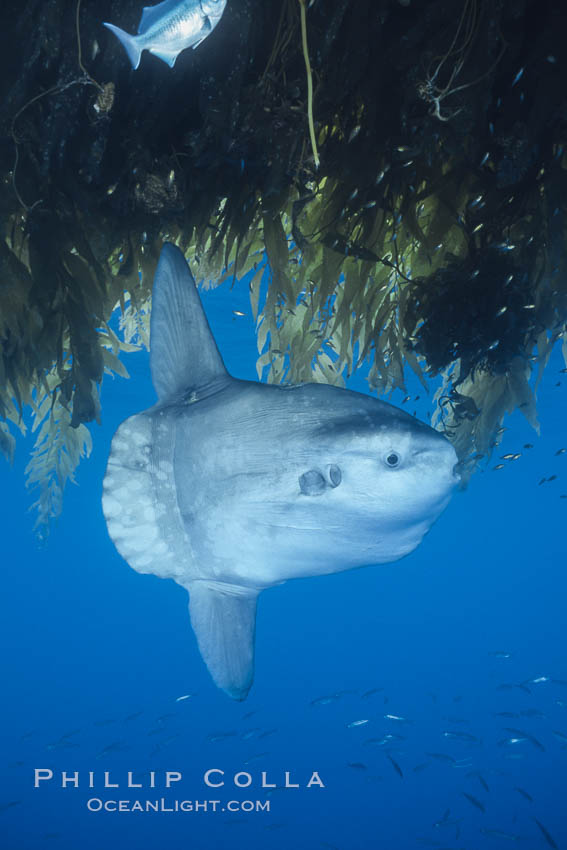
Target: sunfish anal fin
(224, 621)
(184, 356)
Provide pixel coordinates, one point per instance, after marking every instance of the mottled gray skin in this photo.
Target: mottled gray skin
(231, 486)
(252, 443)
(170, 27)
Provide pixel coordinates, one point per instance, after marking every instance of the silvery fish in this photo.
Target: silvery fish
(170, 27)
(230, 487)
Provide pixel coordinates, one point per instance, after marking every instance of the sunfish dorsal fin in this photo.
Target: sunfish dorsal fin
(224, 621)
(183, 354)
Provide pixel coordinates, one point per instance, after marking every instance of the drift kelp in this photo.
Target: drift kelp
(440, 132)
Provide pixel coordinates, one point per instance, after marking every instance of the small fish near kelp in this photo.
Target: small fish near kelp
(169, 28)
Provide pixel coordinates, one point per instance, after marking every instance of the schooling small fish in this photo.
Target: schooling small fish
(480, 778)
(220, 736)
(498, 833)
(445, 821)
(546, 835)
(372, 692)
(473, 801)
(396, 767)
(257, 757)
(524, 736)
(524, 794)
(442, 757)
(5, 806)
(460, 736)
(326, 700)
(384, 741)
(114, 747)
(169, 28)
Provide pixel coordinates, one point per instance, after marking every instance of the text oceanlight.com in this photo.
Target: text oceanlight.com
(95, 804)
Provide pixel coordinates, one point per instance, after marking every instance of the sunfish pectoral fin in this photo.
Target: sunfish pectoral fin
(224, 621)
(183, 353)
(128, 42)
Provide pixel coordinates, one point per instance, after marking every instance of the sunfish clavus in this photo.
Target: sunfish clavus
(231, 486)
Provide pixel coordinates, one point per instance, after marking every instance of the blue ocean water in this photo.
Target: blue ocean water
(429, 695)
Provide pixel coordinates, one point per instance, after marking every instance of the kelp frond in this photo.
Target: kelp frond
(55, 456)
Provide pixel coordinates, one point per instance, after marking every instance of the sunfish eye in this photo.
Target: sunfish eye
(393, 459)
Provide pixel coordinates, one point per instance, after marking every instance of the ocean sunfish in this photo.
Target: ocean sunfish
(170, 27)
(230, 486)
